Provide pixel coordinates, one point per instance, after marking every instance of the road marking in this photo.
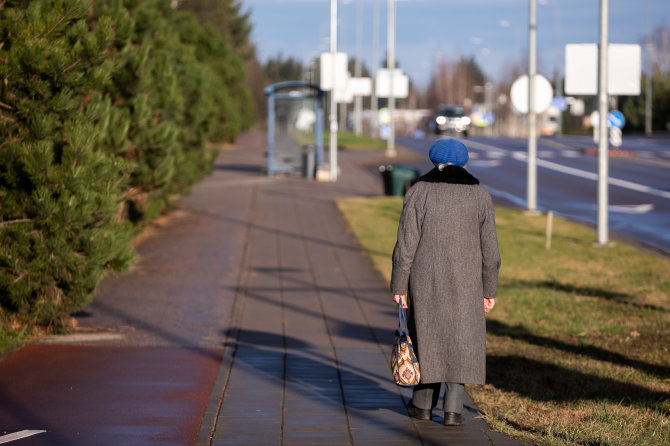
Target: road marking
(81, 337)
(520, 202)
(19, 435)
(492, 151)
(485, 163)
(521, 156)
(570, 153)
(632, 208)
(622, 208)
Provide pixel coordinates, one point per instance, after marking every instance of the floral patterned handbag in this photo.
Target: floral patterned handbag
(404, 365)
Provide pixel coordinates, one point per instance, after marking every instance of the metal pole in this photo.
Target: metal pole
(558, 79)
(332, 150)
(375, 66)
(648, 95)
(488, 100)
(271, 133)
(648, 50)
(603, 143)
(358, 100)
(319, 129)
(559, 94)
(390, 143)
(531, 187)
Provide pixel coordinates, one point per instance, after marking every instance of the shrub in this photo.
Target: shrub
(59, 191)
(105, 111)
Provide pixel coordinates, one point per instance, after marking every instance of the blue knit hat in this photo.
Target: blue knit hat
(448, 151)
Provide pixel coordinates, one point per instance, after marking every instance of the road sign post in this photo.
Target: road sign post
(332, 149)
(531, 171)
(542, 94)
(390, 142)
(603, 143)
(615, 122)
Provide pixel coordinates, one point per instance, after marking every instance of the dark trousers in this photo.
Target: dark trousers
(426, 396)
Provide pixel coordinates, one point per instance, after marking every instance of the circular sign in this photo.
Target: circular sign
(616, 119)
(384, 116)
(543, 94)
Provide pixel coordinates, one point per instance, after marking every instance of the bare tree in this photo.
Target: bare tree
(658, 42)
(454, 82)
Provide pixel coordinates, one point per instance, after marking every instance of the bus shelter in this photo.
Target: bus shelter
(295, 128)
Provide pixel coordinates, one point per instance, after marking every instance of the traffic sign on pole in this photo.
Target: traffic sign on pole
(616, 119)
(543, 94)
(615, 137)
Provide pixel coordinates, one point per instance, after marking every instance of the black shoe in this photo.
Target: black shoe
(453, 419)
(420, 414)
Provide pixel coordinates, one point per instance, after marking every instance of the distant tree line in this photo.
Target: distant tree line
(106, 111)
(656, 47)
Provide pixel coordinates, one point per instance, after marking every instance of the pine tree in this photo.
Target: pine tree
(105, 111)
(59, 191)
(178, 84)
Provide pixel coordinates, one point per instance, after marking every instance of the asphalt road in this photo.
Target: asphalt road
(639, 192)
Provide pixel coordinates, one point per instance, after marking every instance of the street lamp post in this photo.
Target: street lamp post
(390, 143)
(603, 142)
(648, 79)
(375, 66)
(531, 187)
(332, 150)
(358, 100)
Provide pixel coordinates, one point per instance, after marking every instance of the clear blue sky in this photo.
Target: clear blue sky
(495, 32)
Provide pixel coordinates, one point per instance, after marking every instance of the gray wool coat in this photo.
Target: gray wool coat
(446, 261)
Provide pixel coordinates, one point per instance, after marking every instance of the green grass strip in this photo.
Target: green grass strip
(345, 140)
(578, 344)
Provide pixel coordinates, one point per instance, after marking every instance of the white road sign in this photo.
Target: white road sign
(400, 83)
(623, 69)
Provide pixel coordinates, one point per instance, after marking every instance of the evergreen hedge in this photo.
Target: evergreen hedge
(105, 111)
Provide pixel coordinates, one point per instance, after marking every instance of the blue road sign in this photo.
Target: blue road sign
(560, 103)
(615, 119)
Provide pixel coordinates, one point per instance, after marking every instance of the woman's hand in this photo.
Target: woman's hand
(397, 298)
(489, 304)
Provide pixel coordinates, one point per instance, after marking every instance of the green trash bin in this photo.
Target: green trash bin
(402, 177)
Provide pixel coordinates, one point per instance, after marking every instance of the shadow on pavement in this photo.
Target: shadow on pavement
(173, 337)
(317, 380)
(250, 168)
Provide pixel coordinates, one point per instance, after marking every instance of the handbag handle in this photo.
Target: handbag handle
(402, 319)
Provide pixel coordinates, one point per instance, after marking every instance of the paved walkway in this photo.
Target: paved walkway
(251, 318)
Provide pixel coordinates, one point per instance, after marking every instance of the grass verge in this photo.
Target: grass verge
(10, 338)
(345, 140)
(578, 345)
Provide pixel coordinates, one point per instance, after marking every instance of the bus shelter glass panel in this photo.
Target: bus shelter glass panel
(294, 121)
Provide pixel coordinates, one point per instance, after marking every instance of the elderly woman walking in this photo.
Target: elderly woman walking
(445, 270)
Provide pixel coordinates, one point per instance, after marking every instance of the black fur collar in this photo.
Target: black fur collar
(450, 174)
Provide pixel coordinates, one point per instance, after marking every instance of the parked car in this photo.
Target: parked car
(450, 119)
